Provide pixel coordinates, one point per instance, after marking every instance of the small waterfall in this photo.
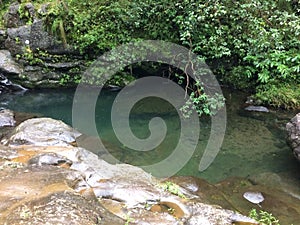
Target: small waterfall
(6, 86)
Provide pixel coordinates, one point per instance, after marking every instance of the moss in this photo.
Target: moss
(3, 9)
(285, 96)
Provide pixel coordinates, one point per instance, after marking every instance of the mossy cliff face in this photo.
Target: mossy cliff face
(42, 59)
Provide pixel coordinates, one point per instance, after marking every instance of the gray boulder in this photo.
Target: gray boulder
(8, 64)
(32, 36)
(293, 139)
(42, 132)
(17, 39)
(7, 118)
(9, 68)
(12, 18)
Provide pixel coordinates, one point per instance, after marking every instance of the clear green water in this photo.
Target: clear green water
(254, 142)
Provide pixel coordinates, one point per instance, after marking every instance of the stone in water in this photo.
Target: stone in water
(254, 197)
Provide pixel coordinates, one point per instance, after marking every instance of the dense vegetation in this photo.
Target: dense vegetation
(249, 44)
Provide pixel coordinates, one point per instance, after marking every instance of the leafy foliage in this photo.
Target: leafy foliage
(172, 188)
(263, 217)
(248, 44)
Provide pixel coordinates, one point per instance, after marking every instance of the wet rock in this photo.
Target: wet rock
(239, 219)
(9, 68)
(256, 108)
(21, 38)
(62, 208)
(6, 86)
(254, 197)
(29, 7)
(212, 215)
(18, 117)
(293, 131)
(49, 159)
(7, 153)
(7, 118)
(42, 132)
(8, 65)
(280, 200)
(42, 195)
(281, 204)
(289, 185)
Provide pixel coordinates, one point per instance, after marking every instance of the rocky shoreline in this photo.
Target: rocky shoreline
(46, 178)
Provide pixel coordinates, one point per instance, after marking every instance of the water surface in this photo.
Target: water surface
(254, 142)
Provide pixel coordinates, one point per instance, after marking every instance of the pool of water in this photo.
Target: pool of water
(254, 142)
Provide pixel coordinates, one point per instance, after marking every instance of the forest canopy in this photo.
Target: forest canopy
(249, 44)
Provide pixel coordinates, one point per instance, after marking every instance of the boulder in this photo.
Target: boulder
(41, 39)
(293, 131)
(44, 195)
(7, 118)
(8, 64)
(42, 132)
(33, 37)
(9, 68)
(17, 39)
(28, 32)
(12, 18)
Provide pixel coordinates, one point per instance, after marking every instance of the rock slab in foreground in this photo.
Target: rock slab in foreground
(293, 139)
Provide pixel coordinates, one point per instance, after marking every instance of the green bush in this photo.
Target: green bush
(263, 217)
(255, 44)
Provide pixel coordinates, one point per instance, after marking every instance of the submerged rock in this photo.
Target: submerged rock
(257, 108)
(293, 131)
(254, 197)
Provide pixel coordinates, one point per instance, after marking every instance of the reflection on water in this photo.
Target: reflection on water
(254, 142)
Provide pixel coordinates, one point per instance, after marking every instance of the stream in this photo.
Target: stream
(254, 142)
